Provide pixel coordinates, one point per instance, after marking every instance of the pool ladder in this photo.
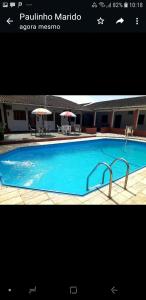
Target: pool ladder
(108, 167)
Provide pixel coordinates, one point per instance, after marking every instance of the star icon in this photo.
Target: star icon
(100, 21)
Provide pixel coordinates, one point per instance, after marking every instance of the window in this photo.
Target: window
(141, 119)
(8, 106)
(104, 119)
(130, 112)
(19, 115)
(48, 117)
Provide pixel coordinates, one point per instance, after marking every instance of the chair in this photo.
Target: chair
(46, 130)
(40, 131)
(66, 129)
(63, 129)
(32, 130)
(129, 130)
(77, 128)
(59, 128)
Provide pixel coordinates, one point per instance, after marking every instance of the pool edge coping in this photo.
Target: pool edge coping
(20, 146)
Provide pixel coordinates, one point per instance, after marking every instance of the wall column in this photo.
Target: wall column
(81, 119)
(54, 120)
(94, 122)
(135, 118)
(27, 121)
(111, 119)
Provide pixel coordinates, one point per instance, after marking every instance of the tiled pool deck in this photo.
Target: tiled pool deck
(135, 193)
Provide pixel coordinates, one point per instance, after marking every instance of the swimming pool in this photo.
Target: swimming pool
(64, 167)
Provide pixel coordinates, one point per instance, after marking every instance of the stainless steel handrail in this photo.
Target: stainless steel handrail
(127, 172)
(110, 184)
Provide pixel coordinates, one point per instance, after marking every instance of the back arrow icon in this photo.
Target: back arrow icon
(114, 290)
(9, 21)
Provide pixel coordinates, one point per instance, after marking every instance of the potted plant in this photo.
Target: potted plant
(1, 132)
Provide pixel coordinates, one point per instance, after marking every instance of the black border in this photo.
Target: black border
(73, 64)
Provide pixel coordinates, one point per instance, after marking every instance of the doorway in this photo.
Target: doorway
(31, 120)
(88, 119)
(117, 122)
(57, 120)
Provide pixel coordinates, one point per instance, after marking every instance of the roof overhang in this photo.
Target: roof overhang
(128, 108)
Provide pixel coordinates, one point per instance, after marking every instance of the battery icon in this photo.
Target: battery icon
(125, 4)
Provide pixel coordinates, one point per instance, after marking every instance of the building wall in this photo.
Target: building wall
(127, 119)
(23, 125)
(142, 127)
(16, 125)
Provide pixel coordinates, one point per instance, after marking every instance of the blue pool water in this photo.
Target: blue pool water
(65, 167)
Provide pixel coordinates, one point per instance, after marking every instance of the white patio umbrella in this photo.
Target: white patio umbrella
(41, 112)
(68, 114)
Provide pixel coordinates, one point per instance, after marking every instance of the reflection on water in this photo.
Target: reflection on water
(28, 183)
(26, 164)
(31, 181)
